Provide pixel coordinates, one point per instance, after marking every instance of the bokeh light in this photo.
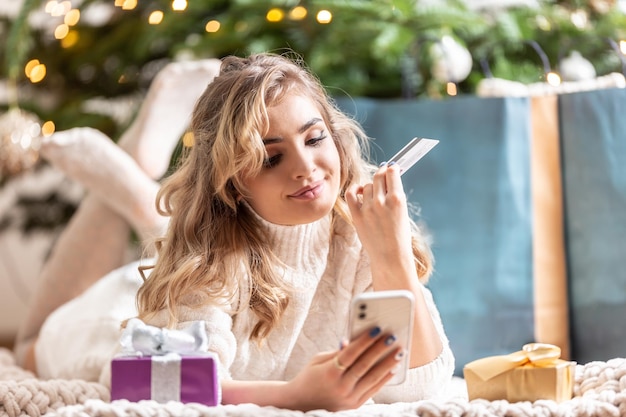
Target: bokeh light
(61, 31)
(212, 26)
(70, 39)
(179, 5)
(553, 78)
(129, 4)
(297, 13)
(188, 139)
(155, 17)
(324, 17)
(275, 15)
(38, 73)
(48, 128)
(72, 17)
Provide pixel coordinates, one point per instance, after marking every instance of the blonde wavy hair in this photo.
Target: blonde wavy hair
(215, 249)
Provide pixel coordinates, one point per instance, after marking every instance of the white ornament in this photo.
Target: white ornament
(452, 62)
(576, 68)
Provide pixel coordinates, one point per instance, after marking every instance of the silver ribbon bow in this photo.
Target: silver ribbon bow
(139, 338)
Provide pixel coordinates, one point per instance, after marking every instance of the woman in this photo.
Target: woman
(276, 223)
(274, 227)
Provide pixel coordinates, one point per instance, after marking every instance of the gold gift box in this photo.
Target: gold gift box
(533, 373)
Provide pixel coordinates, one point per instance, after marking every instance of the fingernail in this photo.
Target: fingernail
(382, 164)
(375, 331)
(391, 163)
(390, 339)
(399, 355)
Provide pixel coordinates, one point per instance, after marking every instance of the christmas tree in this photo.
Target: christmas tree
(108, 48)
(87, 63)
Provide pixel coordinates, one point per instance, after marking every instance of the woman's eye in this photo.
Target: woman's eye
(316, 140)
(272, 161)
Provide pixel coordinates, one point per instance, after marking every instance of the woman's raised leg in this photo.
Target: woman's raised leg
(121, 193)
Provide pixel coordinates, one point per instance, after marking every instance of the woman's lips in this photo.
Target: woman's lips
(309, 193)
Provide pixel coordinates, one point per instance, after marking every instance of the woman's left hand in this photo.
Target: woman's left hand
(380, 215)
(347, 378)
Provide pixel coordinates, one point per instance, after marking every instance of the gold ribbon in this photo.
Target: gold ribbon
(538, 355)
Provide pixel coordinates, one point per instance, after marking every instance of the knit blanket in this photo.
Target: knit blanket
(599, 390)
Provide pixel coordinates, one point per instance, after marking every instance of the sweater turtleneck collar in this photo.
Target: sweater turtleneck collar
(301, 247)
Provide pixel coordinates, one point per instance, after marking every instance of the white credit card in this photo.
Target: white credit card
(412, 152)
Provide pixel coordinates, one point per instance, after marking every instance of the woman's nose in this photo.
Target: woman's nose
(304, 165)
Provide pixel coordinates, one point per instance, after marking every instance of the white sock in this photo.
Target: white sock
(91, 158)
(166, 112)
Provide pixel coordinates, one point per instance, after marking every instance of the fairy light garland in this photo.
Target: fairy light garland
(66, 15)
(579, 18)
(70, 16)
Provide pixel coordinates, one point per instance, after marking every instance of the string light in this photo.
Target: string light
(129, 4)
(66, 6)
(72, 17)
(50, 6)
(57, 10)
(48, 128)
(61, 31)
(553, 78)
(35, 71)
(451, 89)
(275, 15)
(156, 17)
(28, 68)
(179, 5)
(70, 40)
(212, 26)
(188, 139)
(324, 17)
(297, 13)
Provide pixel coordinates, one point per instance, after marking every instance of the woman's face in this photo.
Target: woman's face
(300, 181)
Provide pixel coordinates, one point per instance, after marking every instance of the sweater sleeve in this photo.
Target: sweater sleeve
(218, 324)
(427, 382)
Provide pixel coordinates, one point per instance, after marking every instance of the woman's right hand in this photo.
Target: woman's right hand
(347, 378)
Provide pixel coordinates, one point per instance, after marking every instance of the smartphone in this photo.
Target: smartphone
(412, 152)
(392, 311)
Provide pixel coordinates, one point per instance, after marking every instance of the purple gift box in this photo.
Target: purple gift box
(165, 378)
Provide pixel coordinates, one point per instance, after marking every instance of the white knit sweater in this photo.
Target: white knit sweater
(78, 340)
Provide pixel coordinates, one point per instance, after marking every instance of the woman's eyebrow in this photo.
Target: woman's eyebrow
(302, 129)
(308, 124)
